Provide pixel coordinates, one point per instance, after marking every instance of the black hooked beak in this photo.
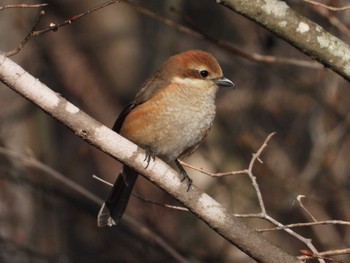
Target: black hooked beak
(224, 82)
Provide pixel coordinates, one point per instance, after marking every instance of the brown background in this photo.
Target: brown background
(98, 63)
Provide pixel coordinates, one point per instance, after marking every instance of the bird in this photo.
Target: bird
(169, 117)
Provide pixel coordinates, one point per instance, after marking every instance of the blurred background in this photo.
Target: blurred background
(99, 62)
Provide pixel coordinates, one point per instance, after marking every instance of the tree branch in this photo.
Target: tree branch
(22, 6)
(98, 135)
(305, 35)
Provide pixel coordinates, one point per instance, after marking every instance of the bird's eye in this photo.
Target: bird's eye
(204, 73)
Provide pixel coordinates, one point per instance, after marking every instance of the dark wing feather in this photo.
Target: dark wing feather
(122, 115)
(148, 89)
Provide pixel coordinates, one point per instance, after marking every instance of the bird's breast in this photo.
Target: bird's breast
(173, 121)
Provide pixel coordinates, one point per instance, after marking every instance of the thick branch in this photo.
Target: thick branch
(98, 135)
(307, 36)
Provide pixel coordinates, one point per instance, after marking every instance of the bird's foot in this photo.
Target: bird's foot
(149, 155)
(184, 175)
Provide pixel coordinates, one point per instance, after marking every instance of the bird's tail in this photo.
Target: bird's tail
(114, 207)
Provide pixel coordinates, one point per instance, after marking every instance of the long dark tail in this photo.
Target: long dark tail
(114, 207)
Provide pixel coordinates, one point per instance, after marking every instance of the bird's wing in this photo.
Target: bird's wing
(122, 115)
(150, 87)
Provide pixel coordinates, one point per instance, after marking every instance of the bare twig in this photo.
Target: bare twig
(317, 223)
(240, 172)
(27, 38)
(263, 214)
(22, 6)
(54, 27)
(248, 171)
(251, 175)
(299, 197)
(332, 8)
(306, 241)
(245, 171)
(328, 253)
(180, 208)
(175, 207)
(102, 180)
(333, 20)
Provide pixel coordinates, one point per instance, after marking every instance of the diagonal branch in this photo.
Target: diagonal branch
(305, 35)
(98, 135)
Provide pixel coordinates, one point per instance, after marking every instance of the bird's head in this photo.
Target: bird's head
(195, 67)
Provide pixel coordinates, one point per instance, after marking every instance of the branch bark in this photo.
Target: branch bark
(98, 135)
(307, 36)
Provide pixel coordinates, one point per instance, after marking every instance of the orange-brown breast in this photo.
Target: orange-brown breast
(174, 120)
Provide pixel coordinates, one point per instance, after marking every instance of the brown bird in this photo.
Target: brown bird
(170, 116)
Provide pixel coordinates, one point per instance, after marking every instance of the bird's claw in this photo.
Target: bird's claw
(149, 155)
(186, 177)
(184, 174)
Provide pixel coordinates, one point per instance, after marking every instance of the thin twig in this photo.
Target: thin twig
(306, 241)
(334, 252)
(248, 171)
(299, 197)
(240, 172)
(251, 175)
(102, 180)
(180, 208)
(263, 214)
(22, 6)
(256, 215)
(332, 8)
(55, 27)
(317, 223)
(333, 20)
(174, 207)
(27, 38)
